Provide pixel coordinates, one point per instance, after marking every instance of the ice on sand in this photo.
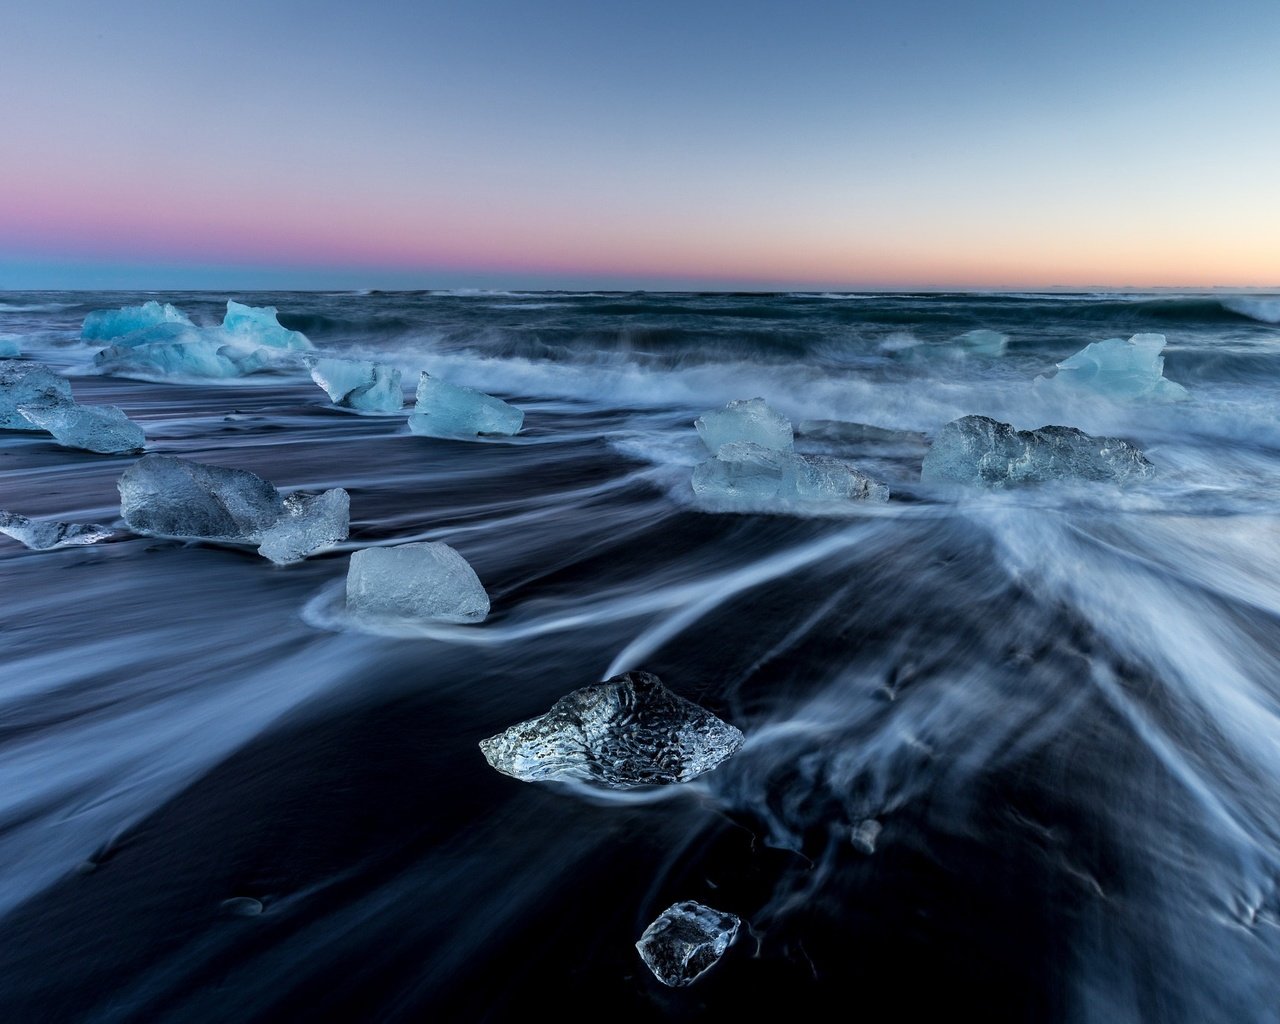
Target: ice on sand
(93, 428)
(44, 534)
(748, 419)
(744, 473)
(629, 731)
(452, 411)
(28, 384)
(1116, 368)
(685, 941)
(978, 450)
(10, 346)
(106, 324)
(425, 581)
(162, 496)
(369, 387)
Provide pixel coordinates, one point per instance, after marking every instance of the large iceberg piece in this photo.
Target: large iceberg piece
(106, 324)
(202, 354)
(259, 326)
(1116, 368)
(425, 581)
(629, 731)
(685, 941)
(10, 346)
(44, 534)
(28, 384)
(162, 496)
(982, 451)
(92, 428)
(749, 419)
(747, 474)
(448, 410)
(356, 384)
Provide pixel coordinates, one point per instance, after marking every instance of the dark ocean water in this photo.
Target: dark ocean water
(1062, 704)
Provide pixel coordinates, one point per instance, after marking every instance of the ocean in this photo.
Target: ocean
(1060, 704)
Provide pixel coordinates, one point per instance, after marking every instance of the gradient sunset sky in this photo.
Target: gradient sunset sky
(492, 143)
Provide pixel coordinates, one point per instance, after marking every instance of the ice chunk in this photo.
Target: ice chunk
(162, 496)
(258, 326)
(92, 428)
(864, 835)
(629, 731)
(369, 387)
(749, 419)
(744, 473)
(816, 478)
(28, 384)
(106, 324)
(200, 357)
(978, 450)
(420, 581)
(10, 346)
(43, 534)
(448, 410)
(686, 941)
(982, 342)
(1116, 368)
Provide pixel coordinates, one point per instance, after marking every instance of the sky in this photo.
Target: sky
(699, 144)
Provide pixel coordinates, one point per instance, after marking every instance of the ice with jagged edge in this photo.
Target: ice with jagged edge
(980, 451)
(163, 496)
(748, 419)
(426, 581)
(28, 384)
(259, 326)
(626, 732)
(46, 534)
(1115, 368)
(106, 324)
(10, 346)
(92, 428)
(752, 476)
(452, 411)
(685, 941)
(358, 384)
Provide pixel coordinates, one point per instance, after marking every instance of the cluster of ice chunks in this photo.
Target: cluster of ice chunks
(425, 581)
(1116, 368)
(44, 534)
(452, 411)
(626, 732)
(33, 397)
(982, 451)
(163, 496)
(357, 384)
(10, 346)
(685, 941)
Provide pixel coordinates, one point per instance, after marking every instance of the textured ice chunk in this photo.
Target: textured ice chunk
(92, 428)
(816, 478)
(982, 451)
(357, 384)
(629, 731)
(10, 346)
(200, 357)
(982, 342)
(258, 326)
(106, 324)
(865, 834)
(28, 384)
(420, 581)
(686, 941)
(43, 534)
(748, 474)
(749, 419)
(309, 523)
(448, 410)
(1116, 368)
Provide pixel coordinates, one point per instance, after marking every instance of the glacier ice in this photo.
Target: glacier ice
(452, 411)
(423, 581)
(357, 384)
(982, 451)
(106, 324)
(982, 342)
(865, 834)
(1116, 368)
(198, 357)
(28, 384)
(629, 731)
(748, 419)
(43, 534)
(817, 478)
(92, 428)
(259, 326)
(685, 941)
(748, 474)
(10, 346)
(163, 496)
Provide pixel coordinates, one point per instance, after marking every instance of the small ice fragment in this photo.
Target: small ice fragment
(28, 384)
(982, 342)
(309, 523)
(686, 941)
(749, 475)
(629, 731)
(93, 428)
(45, 534)
(10, 347)
(242, 906)
(978, 450)
(448, 410)
(815, 478)
(107, 324)
(258, 326)
(864, 834)
(1116, 368)
(357, 384)
(748, 419)
(421, 581)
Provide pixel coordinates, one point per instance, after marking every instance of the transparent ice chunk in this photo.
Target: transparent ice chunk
(309, 523)
(422, 581)
(10, 346)
(106, 324)
(448, 410)
(747, 474)
(816, 478)
(92, 428)
(982, 342)
(685, 941)
(357, 384)
(28, 384)
(259, 326)
(1116, 368)
(865, 834)
(629, 731)
(44, 534)
(200, 357)
(748, 419)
